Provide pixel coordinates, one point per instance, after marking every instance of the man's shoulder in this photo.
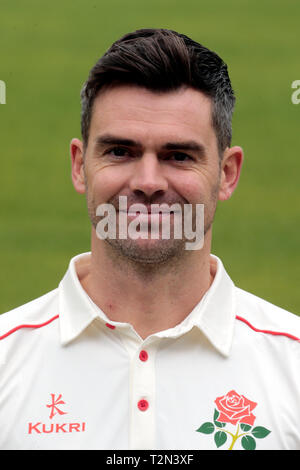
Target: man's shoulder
(33, 313)
(261, 314)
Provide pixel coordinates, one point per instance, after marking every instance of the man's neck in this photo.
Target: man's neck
(151, 299)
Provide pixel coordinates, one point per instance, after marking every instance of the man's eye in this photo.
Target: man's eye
(118, 152)
(179, 157)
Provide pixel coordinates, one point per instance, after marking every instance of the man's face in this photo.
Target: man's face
(153, 148)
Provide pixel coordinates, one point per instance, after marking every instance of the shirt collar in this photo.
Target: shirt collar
(76, 310)
(214, 315)
(217, 318)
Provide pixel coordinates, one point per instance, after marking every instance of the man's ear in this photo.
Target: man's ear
(76, 151)
(230, 171)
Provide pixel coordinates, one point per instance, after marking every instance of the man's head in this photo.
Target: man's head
(162, 60)
(156, 128)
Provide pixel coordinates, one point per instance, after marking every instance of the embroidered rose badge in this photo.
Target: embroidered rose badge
(237, 410)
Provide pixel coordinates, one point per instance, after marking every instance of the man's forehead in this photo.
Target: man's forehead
(132, 96)
(184, 110)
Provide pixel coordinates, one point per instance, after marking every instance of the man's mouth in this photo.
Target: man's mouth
(149, 215)
(148, 210)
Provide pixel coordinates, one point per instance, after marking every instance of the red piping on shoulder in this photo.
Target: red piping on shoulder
(40, 325)
(28, 326)
(275, 333)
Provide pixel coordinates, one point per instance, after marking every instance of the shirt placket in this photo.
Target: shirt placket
(142, 396)
(142, 416)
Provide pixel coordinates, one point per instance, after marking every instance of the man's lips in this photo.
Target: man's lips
(152, 213)
(148, 210)
(148, 215)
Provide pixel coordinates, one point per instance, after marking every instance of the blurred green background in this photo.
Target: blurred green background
(47, 49)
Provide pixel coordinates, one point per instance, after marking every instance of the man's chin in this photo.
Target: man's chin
(145, 251)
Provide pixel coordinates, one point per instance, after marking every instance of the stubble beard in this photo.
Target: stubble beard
(141, 251)
(148, 254)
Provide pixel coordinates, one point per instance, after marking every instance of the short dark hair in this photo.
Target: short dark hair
(163, 60)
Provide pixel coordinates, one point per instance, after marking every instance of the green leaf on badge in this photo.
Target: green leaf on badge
(248, 443)
(245, 427)
(206, 428)
(260, 432)
(220, 438)
(217, 423)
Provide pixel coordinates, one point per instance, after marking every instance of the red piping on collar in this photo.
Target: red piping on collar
(269, 332)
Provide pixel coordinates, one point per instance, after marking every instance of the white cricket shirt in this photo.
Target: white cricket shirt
(228, 376)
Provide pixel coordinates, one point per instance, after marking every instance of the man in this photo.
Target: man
(147, 344)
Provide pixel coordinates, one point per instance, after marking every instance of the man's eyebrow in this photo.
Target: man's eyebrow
(108, 139)
(190, 145)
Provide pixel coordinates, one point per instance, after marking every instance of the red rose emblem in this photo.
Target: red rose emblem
(235, 408)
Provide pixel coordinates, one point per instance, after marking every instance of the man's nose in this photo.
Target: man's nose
(148, 176)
